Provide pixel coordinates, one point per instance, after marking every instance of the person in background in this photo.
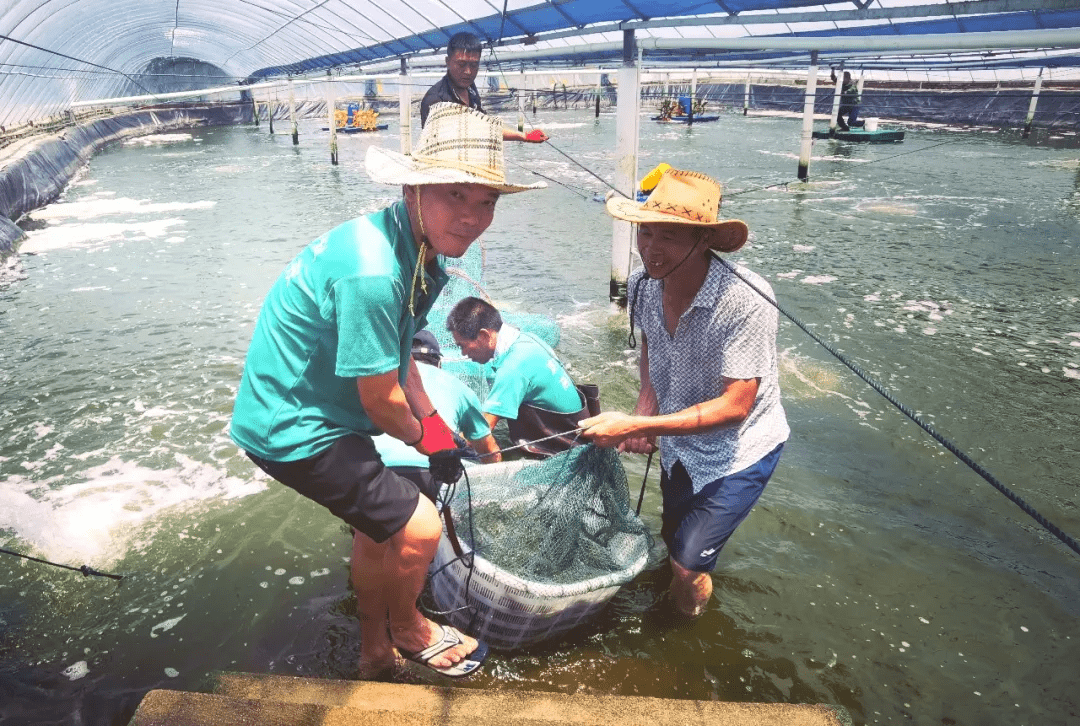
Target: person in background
(329, 367)
(849, 101)
(709, 378)
(531, 390)
(459, 85)
(454, 401)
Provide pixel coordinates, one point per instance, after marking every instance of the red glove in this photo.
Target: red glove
(437, 435)
(536, 135)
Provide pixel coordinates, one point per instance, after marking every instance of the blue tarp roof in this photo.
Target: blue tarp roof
(54, 54)
(537, 19)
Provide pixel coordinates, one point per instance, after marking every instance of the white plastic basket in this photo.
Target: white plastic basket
(512, 612)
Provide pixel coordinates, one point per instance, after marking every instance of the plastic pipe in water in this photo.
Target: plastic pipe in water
(808, 118)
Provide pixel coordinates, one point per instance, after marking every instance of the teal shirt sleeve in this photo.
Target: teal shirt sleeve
(507, 393)
(365, 308)
(471, 421)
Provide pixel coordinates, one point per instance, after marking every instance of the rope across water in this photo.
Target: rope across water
(1071, 542)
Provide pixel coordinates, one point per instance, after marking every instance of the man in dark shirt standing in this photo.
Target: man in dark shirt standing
(458, 85)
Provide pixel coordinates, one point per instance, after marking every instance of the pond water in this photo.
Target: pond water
(876, 572)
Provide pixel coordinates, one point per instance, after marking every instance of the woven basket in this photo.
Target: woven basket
(512, 612)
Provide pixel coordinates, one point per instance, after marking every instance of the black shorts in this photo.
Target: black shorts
(351, 481)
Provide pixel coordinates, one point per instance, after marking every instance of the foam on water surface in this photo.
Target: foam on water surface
(155, 139)
(103, 206)
(100, 513)
(94, 235)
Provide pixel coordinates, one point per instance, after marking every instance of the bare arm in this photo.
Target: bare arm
(729, 409)
(515, 135)
(488, 449)
(421, 405)
(491, 419)
(387, 406)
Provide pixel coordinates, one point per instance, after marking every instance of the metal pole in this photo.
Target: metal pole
(598, 77)
(333, 119)
(627, 120)
(746, 97)
(808, 118)
(836, 98)
(521, 102)
(1031, 106)
(858, 93)
(693, 97)
(292, 114)
(405, 108)
(270, 112)
(254, 108)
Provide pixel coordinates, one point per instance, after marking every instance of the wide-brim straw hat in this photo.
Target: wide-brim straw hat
(684, 197)
(459, 145)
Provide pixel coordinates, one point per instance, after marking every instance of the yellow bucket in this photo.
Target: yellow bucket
(648, 182)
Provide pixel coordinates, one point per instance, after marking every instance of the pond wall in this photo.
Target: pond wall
(35, 174)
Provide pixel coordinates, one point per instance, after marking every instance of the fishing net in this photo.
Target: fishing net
(466, 280)
(553, 541)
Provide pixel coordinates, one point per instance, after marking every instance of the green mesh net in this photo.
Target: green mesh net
(467, 280)
(565, 519)
(544, 545)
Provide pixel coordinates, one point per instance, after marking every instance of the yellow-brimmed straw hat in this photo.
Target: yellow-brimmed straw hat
(458, 145)
(684, 197)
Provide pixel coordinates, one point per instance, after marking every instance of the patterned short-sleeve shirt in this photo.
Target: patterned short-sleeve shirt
(728, 331)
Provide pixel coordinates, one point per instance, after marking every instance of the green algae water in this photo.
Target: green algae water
(876, 572)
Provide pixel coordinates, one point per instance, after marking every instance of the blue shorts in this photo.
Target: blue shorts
(697, 526)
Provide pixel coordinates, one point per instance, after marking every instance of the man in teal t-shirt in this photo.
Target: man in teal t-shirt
(329, 367)
(531, 389)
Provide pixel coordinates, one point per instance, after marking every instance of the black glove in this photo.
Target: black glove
(445, 466)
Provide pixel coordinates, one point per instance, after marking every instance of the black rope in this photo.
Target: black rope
(872, 161)
(574, 161)
(1012, 496)
(86, 570)
(641, 496)
(582, 192)
(602, 180)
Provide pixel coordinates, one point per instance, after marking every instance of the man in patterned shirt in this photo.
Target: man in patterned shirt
(709, 380)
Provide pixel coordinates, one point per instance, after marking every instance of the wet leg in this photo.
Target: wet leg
(410, 552)
(377, 652)
(690, 590)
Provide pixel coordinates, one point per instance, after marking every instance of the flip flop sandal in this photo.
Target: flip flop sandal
(451, 637)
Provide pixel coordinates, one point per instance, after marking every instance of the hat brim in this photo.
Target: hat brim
(731, 234)
(392, 167)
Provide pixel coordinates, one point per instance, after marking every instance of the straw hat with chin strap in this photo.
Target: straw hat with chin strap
(459, 145)
(684, 197)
